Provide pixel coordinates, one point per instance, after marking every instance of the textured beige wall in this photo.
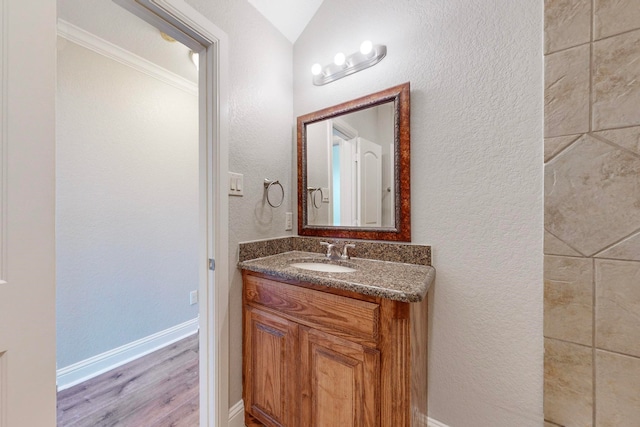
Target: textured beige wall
(592, 213)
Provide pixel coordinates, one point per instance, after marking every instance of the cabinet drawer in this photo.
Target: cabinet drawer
(315, 308)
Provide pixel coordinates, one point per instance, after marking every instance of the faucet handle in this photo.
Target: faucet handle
(329, 246)
(345, 250)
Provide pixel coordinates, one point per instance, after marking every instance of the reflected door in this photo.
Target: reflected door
(369, 183)
(356, 182)
(346, 190)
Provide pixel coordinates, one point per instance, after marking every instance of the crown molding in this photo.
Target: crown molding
(90, 41)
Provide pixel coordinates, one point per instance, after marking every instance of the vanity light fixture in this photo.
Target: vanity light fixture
(316, 69)
(368, 55)
(366, 48)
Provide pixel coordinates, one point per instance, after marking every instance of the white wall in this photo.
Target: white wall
(260, 146)
(476, 148)
(127, 204)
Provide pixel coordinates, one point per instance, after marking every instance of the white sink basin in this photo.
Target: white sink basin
(326, 268)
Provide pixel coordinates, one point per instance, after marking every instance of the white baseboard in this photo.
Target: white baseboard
(236, 415)
(434, 423)
(89, 368)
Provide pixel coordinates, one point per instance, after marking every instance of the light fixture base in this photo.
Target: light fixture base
(354, 63)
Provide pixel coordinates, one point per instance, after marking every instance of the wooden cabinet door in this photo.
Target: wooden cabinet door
(270, 371)
(339, 382)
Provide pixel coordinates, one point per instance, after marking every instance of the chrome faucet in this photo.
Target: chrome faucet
(332, 250)
(345, 250)
(334, 253)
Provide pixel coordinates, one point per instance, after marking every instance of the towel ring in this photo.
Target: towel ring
(313, 191)
(267, 186)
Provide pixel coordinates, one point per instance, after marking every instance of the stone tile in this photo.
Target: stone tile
(566, 95)
(618, 306)
(615, 16)
(628, 138)
(553, 146)
(616, 81)
(568, 299)
(567, 23)
(617, 390)
(628, 249)
(568, 384)
(548, 424)
(592, 195)
(555, 246)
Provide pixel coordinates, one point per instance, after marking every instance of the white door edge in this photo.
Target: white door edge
(185, 24)
(27, 213)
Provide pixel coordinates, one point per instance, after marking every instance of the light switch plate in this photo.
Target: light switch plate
(325, 195)
(236, 184)
(288, 221)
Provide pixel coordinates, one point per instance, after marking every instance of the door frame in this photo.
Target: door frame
(350, 132)
(185, 24)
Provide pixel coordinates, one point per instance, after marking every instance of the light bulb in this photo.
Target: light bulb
(316, 69)
(339, 59)
(366, 47)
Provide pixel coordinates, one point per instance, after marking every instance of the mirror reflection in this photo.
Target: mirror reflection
(350, 169)
(353, 168)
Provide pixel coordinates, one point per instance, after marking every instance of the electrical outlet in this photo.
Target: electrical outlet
(193, 297)
(288, 221)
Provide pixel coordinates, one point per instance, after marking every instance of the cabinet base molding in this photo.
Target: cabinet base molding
(236, 417)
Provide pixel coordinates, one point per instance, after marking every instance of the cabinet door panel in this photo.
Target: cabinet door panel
(340, 381)
(270, 358)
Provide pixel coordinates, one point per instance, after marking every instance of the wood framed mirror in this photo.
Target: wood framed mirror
(354, 168)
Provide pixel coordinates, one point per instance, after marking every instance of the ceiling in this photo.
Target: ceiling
(290, 17)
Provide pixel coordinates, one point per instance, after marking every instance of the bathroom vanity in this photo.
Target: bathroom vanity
(327, 349)
(341, 342)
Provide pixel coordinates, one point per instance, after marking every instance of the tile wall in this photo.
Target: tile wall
(592, 213)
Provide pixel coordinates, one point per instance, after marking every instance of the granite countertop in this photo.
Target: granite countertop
(392, 280)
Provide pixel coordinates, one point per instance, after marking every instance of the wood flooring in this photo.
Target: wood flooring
(157, 390)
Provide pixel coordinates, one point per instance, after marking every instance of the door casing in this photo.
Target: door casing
(188, 26)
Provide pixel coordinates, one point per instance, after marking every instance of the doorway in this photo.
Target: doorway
(212, 217)
(126, 216)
